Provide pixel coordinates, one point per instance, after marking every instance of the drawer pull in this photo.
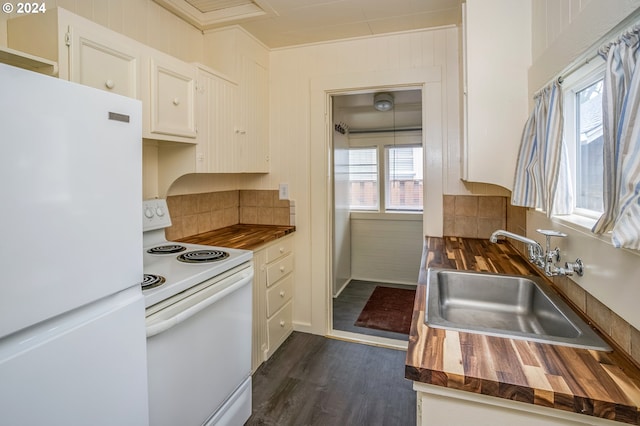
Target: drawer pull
(176, 101)
(282, 269)
(282, 323)
(109, 84)
(282, 293)
(281, 249)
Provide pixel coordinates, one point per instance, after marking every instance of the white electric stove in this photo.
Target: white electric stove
(198, 317)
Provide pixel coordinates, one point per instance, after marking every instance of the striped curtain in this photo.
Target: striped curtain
(542, 178)
(621, 133)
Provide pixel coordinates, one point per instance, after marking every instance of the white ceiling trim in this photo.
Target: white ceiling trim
(218, 16)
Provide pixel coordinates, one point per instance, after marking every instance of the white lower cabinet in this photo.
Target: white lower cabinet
(439, 406)
(272, 298)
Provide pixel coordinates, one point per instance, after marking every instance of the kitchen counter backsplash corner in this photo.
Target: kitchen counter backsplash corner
(194, 214)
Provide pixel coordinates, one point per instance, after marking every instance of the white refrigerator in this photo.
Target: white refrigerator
(72, 333)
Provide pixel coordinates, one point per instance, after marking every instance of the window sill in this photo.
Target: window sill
(579, 223)
(409, 216)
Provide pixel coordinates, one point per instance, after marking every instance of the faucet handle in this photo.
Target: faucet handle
(577, 267)
(551, 233)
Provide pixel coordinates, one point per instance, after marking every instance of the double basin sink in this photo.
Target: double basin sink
(512, 306)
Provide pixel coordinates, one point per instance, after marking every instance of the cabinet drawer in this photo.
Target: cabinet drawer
(279, 269)
(279, 249)
(279, 326)
(279, 294)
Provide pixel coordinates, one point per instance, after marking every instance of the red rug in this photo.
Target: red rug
(388, 309)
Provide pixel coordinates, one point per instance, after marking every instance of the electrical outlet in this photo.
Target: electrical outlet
(283, 191)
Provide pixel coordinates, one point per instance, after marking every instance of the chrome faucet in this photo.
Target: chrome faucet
(536, 255)
(543, 259)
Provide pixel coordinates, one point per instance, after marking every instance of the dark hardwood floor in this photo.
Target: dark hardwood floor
(313, 380)
(348, 305)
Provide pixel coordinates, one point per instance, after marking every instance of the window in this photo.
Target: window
(363, 178)
(583, 135)
(400, 167)
(589, 167)
(403, 178)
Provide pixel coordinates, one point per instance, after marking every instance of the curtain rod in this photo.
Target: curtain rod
(627, 24)
(399, 129)
(576, 67)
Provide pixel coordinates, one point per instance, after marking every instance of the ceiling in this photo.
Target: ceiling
(281, 23)
(358, 113)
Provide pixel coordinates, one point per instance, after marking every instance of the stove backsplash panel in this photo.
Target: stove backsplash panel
(193, 214)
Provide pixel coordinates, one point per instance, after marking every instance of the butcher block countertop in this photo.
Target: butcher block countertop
(593, 383)
(240, 236)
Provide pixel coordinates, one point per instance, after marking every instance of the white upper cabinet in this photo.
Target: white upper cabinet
(103, 59)
(170, 91)
(87, 53)
(254, 118)
(497, 55)
(217, 150)
(243, 58)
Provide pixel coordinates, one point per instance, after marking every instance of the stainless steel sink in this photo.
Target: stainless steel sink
(512, 306)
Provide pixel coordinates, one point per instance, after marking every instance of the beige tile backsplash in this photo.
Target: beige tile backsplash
(193, 214)
(473, 216)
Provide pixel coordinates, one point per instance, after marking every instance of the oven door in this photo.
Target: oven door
(199, 352)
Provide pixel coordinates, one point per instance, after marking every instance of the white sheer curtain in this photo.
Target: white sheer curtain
(621, 132)
(542, 178)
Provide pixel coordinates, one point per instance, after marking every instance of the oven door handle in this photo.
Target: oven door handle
(165, 324)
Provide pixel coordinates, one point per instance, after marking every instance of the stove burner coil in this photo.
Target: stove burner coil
(152, 281)
(203, 256)
(167, 249)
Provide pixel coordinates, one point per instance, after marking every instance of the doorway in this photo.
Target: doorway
(377, 208)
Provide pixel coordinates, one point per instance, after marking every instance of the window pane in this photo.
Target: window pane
(589, 148)
(363, 178)
(404, 178)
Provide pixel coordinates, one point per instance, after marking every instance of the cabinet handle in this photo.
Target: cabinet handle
(176, 101)
(282, 323)
(282, 269)
(282, 293)
(110, 84)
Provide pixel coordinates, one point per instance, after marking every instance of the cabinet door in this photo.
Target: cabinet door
(217, 118)
(254, 130)
(172, 97)
(99, 61)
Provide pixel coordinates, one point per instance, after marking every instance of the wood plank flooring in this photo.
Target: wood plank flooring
(348, 305)
(313, 380)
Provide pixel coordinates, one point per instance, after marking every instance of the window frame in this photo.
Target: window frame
(380, 141)
(375, 208)
(579, 80)
(387, 178)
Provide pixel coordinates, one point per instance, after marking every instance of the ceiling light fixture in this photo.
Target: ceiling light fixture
(383, 101)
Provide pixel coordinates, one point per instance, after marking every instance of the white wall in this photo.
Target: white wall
(563, 31)
(341, 201)
(386, 249)
(299, 148)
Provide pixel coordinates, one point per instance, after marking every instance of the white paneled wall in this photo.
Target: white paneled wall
(142, 20)
(565, 31)
(299, 134)
(386, 250)
(341, 213)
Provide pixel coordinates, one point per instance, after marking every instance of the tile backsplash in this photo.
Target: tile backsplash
(473, 216)
(193, 214)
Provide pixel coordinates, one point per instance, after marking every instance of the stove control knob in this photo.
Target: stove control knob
(159, 211)
(148, 213)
